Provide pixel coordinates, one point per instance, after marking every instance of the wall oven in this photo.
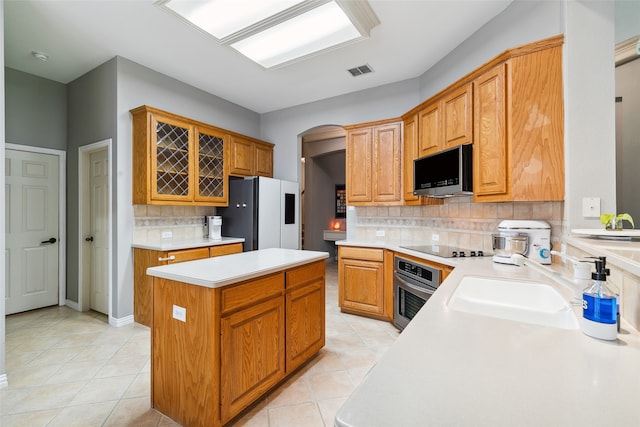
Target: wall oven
(413, 284)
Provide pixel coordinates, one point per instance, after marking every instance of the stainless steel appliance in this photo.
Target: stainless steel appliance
(265, 211)
(413, 285)
(445, 251)
(447, 173)
(529, 238)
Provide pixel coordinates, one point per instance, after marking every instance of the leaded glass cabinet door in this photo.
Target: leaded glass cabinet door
(210, 184)
(171, 161)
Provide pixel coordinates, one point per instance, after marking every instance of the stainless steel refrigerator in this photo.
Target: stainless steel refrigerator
(265, 211)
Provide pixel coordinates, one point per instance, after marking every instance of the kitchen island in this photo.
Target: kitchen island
(461, 369)
(226, 330)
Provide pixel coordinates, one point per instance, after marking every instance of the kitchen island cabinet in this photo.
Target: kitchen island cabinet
(225, 330)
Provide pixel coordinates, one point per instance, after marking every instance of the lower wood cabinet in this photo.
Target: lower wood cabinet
(304, 307)
(236, 343)
(145, 258)
(361, 284)
(252, 353)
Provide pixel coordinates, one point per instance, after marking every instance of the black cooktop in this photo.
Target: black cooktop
(445, 251)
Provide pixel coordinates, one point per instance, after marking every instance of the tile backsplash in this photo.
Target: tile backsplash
(184, 222)
(458, 222)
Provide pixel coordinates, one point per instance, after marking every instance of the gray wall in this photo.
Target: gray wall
(91, 118)
(322, 174)
(36, 112)
(138, 85)
(628, 139)
(3, 377)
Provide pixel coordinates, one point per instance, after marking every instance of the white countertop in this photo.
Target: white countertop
(228, 269)
(460, 369)
(171, 244)
(624, 254)
(396, 246)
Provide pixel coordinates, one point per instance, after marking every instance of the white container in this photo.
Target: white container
(215, 227)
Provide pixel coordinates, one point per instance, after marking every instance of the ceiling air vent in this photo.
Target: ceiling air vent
(362, 69)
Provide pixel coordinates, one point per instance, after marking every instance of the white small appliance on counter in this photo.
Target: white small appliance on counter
(529, 238)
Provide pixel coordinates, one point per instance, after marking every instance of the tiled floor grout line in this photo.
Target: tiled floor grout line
(309, 398)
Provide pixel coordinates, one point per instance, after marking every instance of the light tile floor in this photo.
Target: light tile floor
(72, 369)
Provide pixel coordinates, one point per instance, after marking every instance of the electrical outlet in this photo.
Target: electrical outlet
(167, 234)
(435, 237)
(379, 233)
(591, 207)
(179, 313)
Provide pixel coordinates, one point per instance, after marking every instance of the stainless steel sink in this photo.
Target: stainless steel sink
(519, 300)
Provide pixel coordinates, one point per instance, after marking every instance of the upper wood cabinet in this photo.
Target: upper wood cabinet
(250, 157)
(445, 121)
(374, 163)
(511, 109)
(457, 117)
(519, 129)
(429, 129)
(177, 161)
(409, 153)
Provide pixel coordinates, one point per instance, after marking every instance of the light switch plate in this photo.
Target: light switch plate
(179, 313)
(166, 235)
(435, 237)
(379, 233)
(591, 207)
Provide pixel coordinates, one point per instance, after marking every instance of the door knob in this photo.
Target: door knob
(88, 239)
(51, 240)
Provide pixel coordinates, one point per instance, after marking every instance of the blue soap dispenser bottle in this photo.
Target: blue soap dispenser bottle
(599, 306)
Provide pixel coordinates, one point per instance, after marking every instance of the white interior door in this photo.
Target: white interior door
(32, 220)
(99, 230)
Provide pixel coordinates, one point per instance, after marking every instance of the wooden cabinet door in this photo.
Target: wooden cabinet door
(252, 354)
(358, 167)
(490, 133)
(263, 160)
(241, 157)
(429, 132)
(457, 121)
(305, 310)
(210, 183)
(361, 285)
(183, 255)
(410, 147)
(386, 165)
(171, 160)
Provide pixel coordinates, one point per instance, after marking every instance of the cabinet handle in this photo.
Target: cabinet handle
(169, 258)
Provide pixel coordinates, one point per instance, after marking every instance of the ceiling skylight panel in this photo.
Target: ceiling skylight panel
(222, 18)
(321, 28)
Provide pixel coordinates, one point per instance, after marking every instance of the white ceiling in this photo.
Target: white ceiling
(80, 35)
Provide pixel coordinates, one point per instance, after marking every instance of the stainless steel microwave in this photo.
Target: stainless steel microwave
(444, 174)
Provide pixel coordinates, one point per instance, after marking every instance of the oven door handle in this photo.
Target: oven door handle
(428, 289)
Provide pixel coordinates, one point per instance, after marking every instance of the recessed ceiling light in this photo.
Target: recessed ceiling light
(275, 32)
(41, 56)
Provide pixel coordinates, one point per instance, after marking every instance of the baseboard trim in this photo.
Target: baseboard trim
(123, 321)
(72, 304)
(4, 381)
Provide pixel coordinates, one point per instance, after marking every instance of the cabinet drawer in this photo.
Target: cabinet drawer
(371, 254)
(188, 255)
(305, 274)
(234, 248)
(242, 295)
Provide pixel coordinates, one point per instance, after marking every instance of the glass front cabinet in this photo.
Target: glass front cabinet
(177, 161)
